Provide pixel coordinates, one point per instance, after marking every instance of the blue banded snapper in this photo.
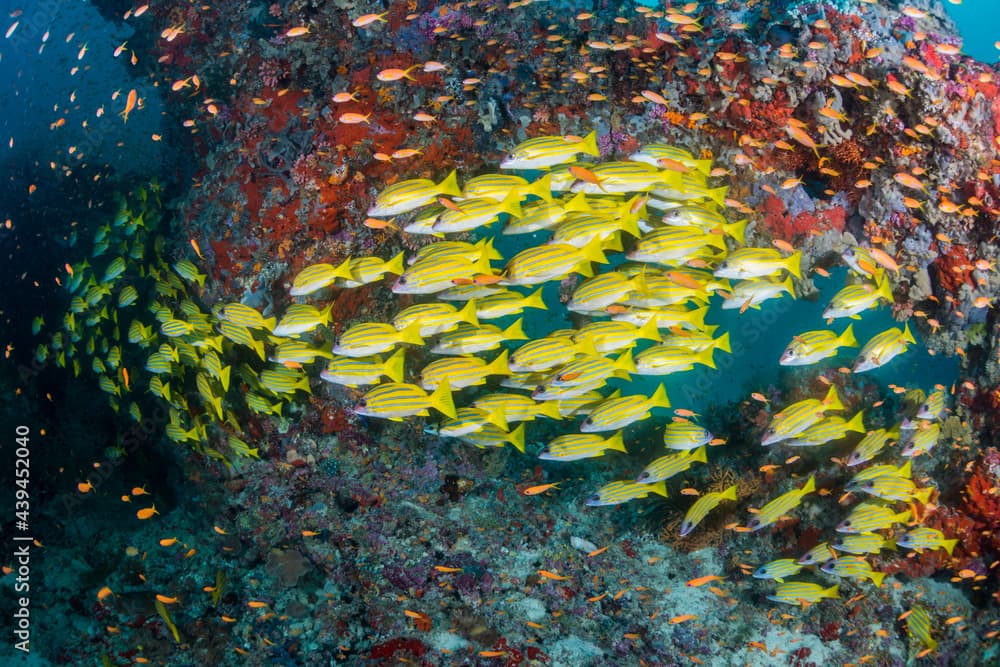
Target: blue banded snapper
(316, 277)
(656, 291)
(301, 318)
(517, 407)
(539, 215)
(923, 538)
(470, 214)
(883, 347)
(461, 372)
(436, 274)
(818, 555)
(245, 316)
(933, 407)
(665, 318)
(597, 293)
(752, 293)
(905, 470)
(703, 505)
(357, 371)
(553, 261)
(467, 420)
(491, 435)
(657, 154)
(471, 252)
(577, 446)
(827, 430)
(623, 177)
(869, 517)
(610, 337)
(670, 465)
(799, 416)
(580, 404)
(863, 543)
(871, 445)
(854, 299)
(666, 359)
(892, 487)
(297, 351)
(497, 187)
(364, 339)
(616, 493)
(549, 151)
(813, 346)
(745, 263)
(686, 435)
(435, 317)
(589, 369)
(675, 245)
(284, 381)
(544, 354)
(922, 440)
(409, 195)
(853, 567)
(780, 506)
(365, 270)
(469, 292)
(617, 413)
(778, 570)
(803, 593)
(396, 400)
(918, 626)
(508, 302)
(468, 339)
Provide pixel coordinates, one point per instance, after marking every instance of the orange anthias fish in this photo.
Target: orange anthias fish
(540, 488)
(130, 102)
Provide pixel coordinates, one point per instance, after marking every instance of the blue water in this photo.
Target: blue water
(977, 23)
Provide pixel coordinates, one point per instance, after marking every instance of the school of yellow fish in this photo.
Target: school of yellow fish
(682, 252)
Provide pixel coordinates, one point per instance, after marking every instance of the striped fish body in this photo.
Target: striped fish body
(622, 177)
(799, 416)
(127, 296)
(801, 593)
(549, 393)
(562, 179)
(870, 446)
(358, 371)
(396, 400)
(475, 213)
(491, 435)
(922, 440)
(675, 245)
(436, 317)
(705, 504)
(423, 222)
(577, 446)
(535, 217)
(623, 491)
(526, 381)
(779, 569)
(617, 413)
(498, 186)
(469, 339)
(470, 252)
(667, 466)
(665, 360)
(467, 420)
(516, 407)
(553, 261)
(241, 336)
(579, 228)
(924, 538)
(781, 506)
(407, 196)
(654, 153)
(301, 318)
(813, 346)
(697, 341)
(918, 626)
(549, 151)
(590, 369)
(686, 435)
(854, 299)
(892, 487)
(745, 263)
(853, 567)
(283, 381)
(752, 293)
(461, 372)
(316, 277)
(298, 351)
(597, 293)
(862, 544)
(827, 430)
(245, 316)
(819, 554)
(933, 407)
(655, 291)
(437, 274)
(580, 404)
(665, 318)
(609, 337)
(542, 354)
(508, 302)
(469, 292)
(367, 338)
(365, 270)
(869, 517)
(883, 348)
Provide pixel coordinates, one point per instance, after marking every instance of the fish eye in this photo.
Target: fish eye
(846, 524)
(362, 403)
(401, 280)
(643, 476)
(540, 388)
(588, 421)
(754, 523)
(594, 498)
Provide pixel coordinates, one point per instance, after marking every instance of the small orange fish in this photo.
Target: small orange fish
(297, 31)
(395, 74)
(168, 541)
(552, 575)
(447, 569)
(85, 487)
(757, 396)
(490, 654)
(257, 604)
(682, 618)
(104, 592)
(782, 245)
(340, 98)
(310, 533)
(375, 223)
(701, 581)
(540, 488)
(684, 280)
(351, 118)
(368, 19)
(197, 250)
(166, 600)
(146, 513)
(139, 491)
(585, 175)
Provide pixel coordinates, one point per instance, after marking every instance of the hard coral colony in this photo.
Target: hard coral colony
(541, 228)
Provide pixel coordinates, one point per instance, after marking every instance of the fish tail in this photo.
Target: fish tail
(729, 494)
(674, 179)
(625, 362)
(590, 144)
(489, 251)
(499, 365)
(877, 578)
(857, 423)
(449, 186)
(535, 300)
(831, 592)
(660, 488)
(923, 495)
(578, 203)
(949, 545)
(907, 335)
(613, 243)
(737, 230)
(541, 188)
(258, 347)
(442, 400)
(511, 204)
(847, 338)
(794, 264)
(516, 438)
(810, 485)
(394, 265)
(411, 334)
(549, 409)
(832, 401)
(343, 270)
(224, 377)
(885, 289)
(393, 368)
(498, 417)
(902, 517)
(705, 357)
(718, 195)
(649, 331)
(704, 166)
(515, 331)
(585, 345)
(699, 455)
(660, 398)
(592, 252)
(698, 317)
(616, 442)
(324, 315)
(722, 343)
(468, 313)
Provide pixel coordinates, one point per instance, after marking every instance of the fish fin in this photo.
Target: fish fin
(705, 357)
(449, 186)
(393, 368)
(616, 442)
(549, 409)
(535, 300)
(516, 438)
(793, 263)
(902, 517)
(343, 270)
(499, 365)
(737, 230)
(224, 377)
(395, 265)
(577, 203)
(499, 417)
(590, 144)
(442, 400)
(722, 343)
(649, 331)
(699, 455)
(832, 401)
(660, 488)
(541, 188)
(411, 334)
(468, 313)
(613, 243)
(324, 315)
(877, 578)
(923, 495)
(704, 166)
(515, 331)
(592, 252)
(659, 398)
(884, 289)
(729, 494)
(625, 364)
(906, 470)
(270, 323)
(949, 545)
(857, 423)
(718, 195)
(697, 317)
(810, 485)
(907, 336)
(831, 592)
(847, 338)
(511, 204)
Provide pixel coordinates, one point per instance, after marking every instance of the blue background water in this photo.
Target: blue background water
(977, 23)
